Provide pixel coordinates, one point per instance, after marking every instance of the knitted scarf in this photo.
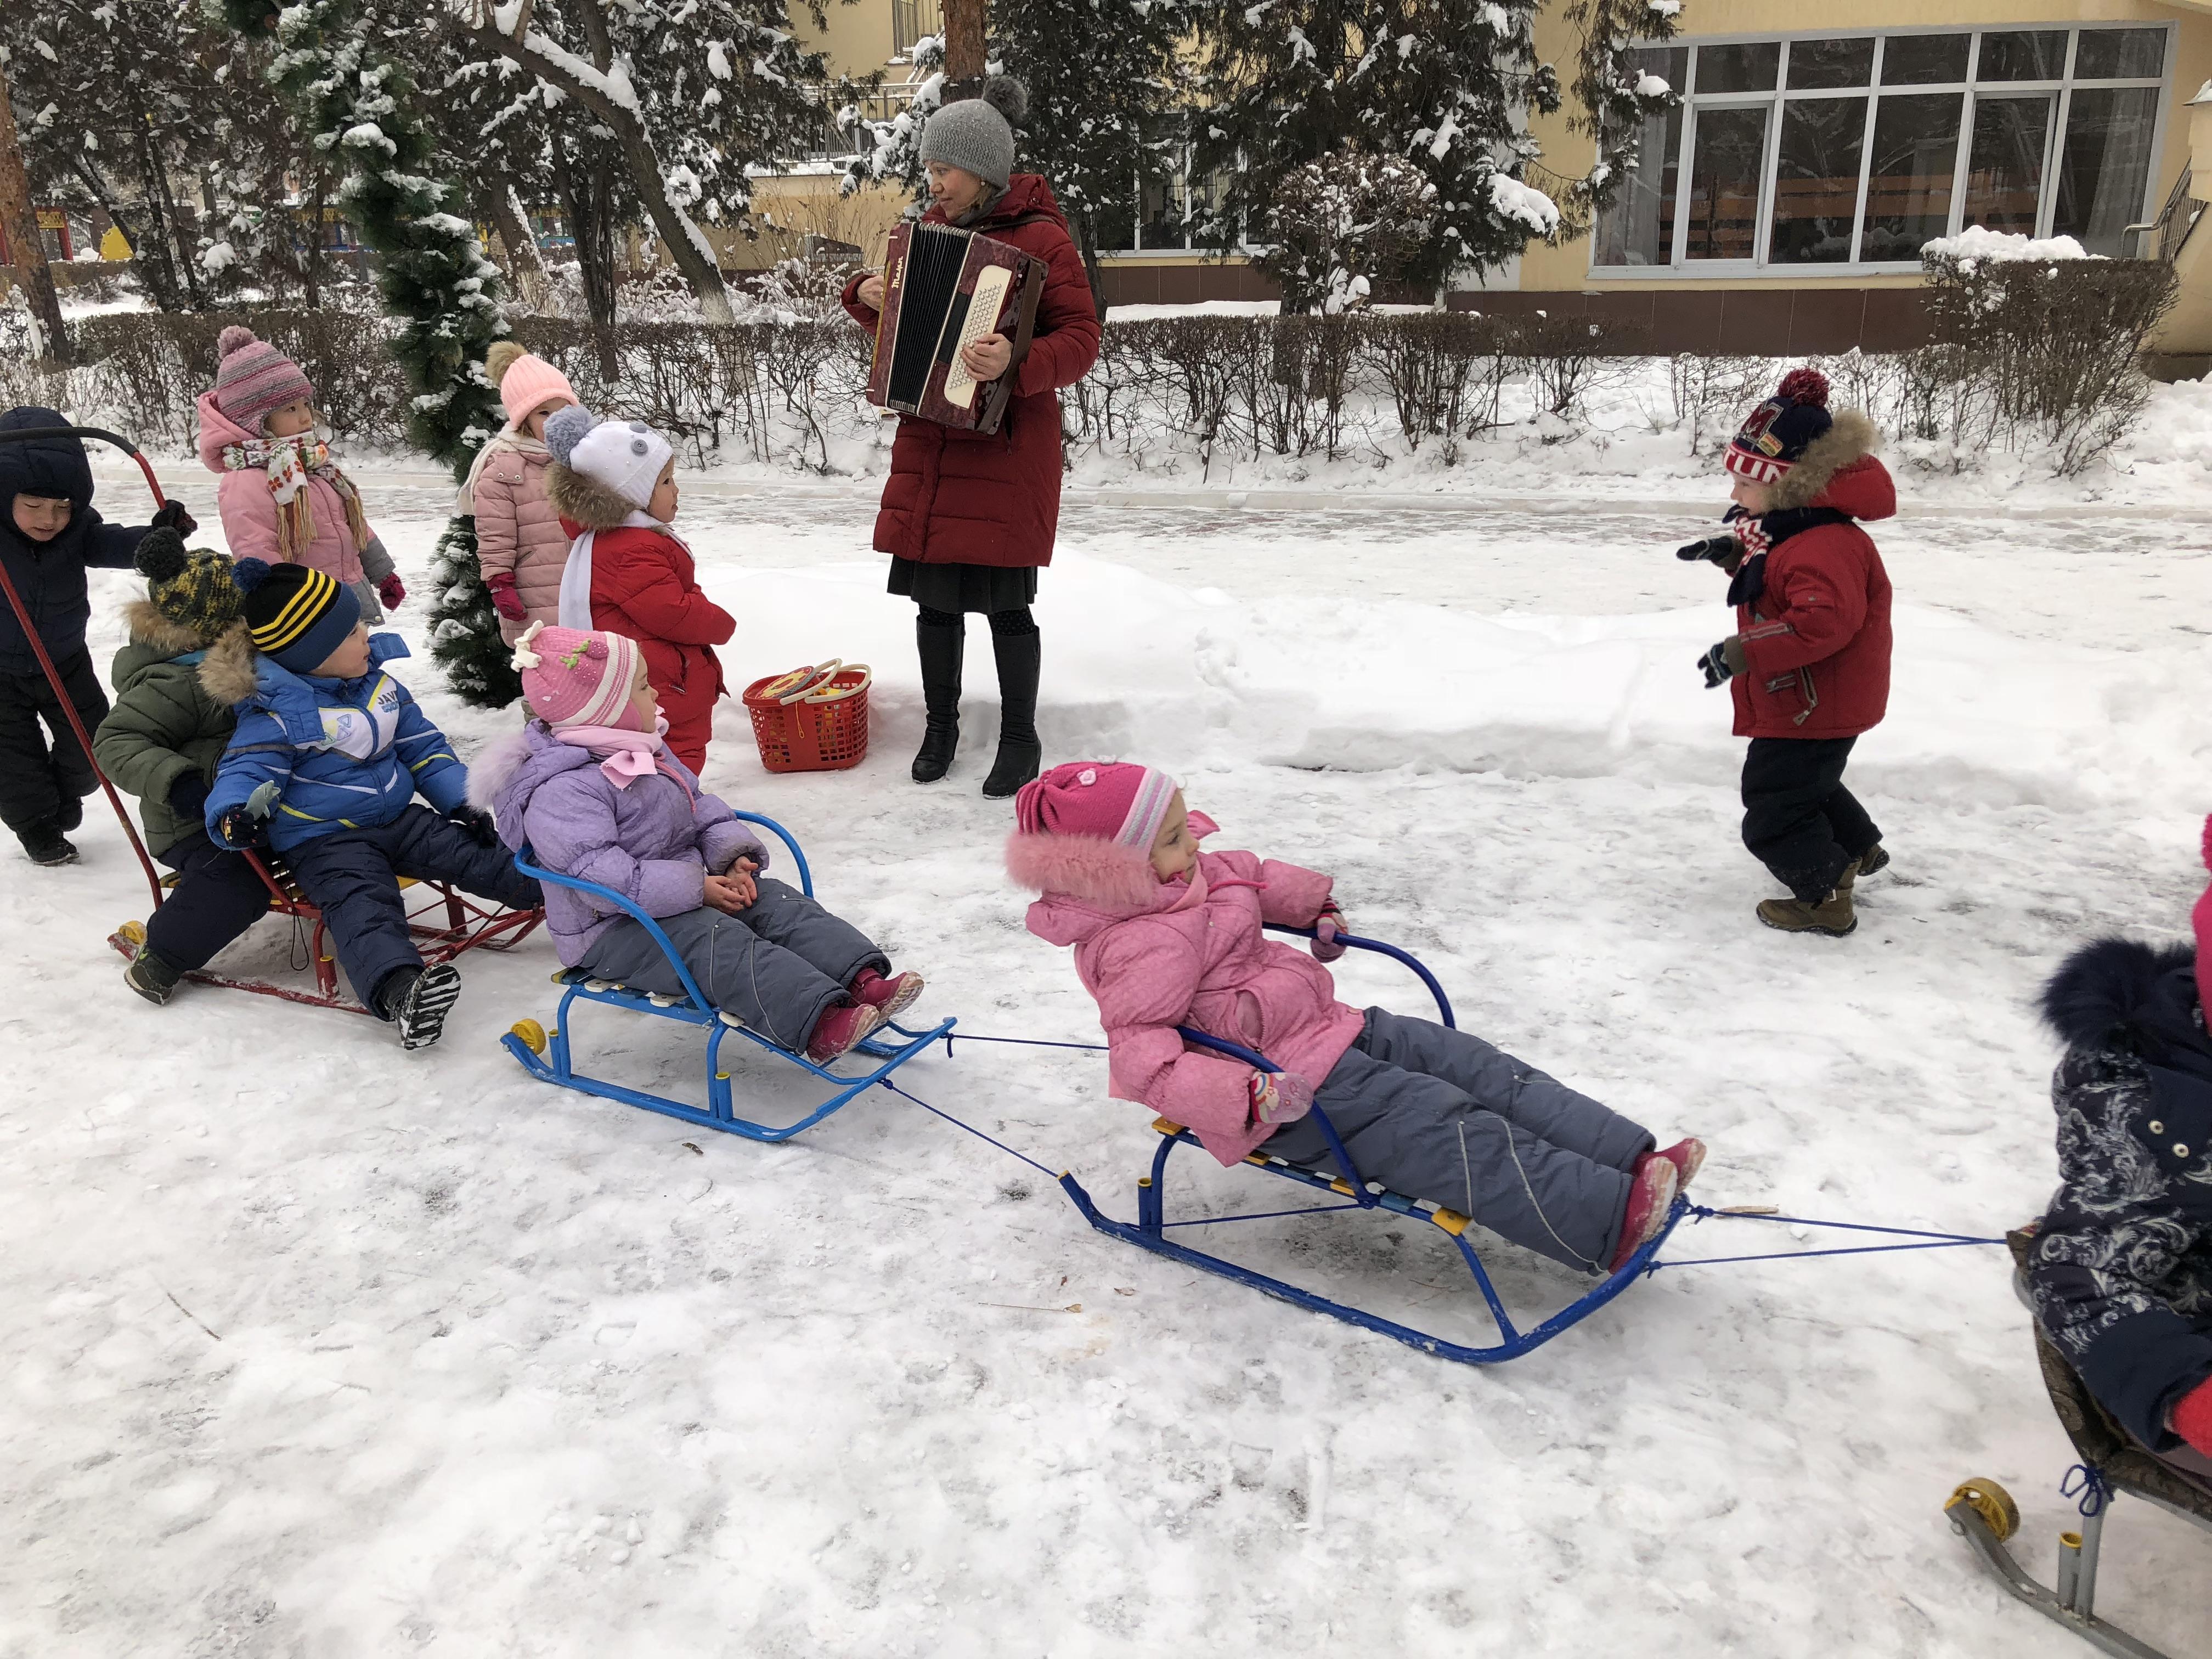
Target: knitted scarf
(625, 755)
(288, 463)
(1759, 536)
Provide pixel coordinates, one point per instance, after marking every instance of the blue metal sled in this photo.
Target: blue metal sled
(1151, 1227)
(545, 1055)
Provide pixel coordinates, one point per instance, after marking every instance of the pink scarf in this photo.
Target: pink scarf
(624, 756)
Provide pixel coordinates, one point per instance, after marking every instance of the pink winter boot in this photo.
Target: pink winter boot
(1689, 1157)
(891, 997)
(840, 1029)
(1649, 1200)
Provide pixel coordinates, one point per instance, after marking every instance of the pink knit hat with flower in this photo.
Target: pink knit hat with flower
(570, 678)
(253, 380)
(525, 379)
(2200, 918)
(1106, 800)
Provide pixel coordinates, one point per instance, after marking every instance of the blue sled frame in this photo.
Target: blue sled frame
(1151, 1227)
(545, 1055)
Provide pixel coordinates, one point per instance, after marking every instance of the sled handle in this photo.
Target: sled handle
(1259, 1062)
(1435, 990)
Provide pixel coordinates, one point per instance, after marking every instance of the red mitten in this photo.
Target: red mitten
(504, 598)
(2193, 1417)
(392, 591)
(1327, 926)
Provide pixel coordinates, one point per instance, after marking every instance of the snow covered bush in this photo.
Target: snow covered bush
(1338, 226)
(1445, 373)
(1566, 356)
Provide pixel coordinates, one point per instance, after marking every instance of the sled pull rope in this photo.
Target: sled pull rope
(1049, 1174)
(2085, 1481)
(1927, 1241)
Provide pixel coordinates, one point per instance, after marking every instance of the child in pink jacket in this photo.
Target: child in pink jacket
(521, 544)
(283, 498)
(1167, 935)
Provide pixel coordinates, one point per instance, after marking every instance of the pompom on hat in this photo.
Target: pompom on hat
(297, 615)
(253, 380)
(525, 380)
(978, 133)
(1775, 435)
(571, 678)
(625, 457)
(194, 589)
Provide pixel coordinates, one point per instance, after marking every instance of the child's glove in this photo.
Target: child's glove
(479, 824)
(2192, 1417)
(1279, 1097)
(1724, 661)
(188, 796)
(1724, 550)
(392, 591)
(504, 598)
(171, 515)
(243, 824)
(1327, 926)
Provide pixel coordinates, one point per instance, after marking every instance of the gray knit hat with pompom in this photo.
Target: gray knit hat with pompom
(978, 133)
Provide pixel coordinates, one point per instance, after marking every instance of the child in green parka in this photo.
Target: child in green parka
(162, 741)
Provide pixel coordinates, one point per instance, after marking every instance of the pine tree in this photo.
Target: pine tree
(1447, 85)
(354, 99)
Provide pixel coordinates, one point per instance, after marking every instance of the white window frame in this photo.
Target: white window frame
(1679, 267)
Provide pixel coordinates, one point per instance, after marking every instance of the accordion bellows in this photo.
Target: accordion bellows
(943, 288)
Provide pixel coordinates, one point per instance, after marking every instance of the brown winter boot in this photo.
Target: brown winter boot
(1832, 915)
(1875, 857)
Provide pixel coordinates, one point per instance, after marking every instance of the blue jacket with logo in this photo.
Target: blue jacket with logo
(342, 754)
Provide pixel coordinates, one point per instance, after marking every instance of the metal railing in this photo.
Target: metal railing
(2175, 220)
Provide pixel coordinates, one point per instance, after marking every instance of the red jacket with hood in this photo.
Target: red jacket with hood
(961, 497)
(1816, 640)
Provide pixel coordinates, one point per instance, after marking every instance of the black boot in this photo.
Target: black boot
(417, 1000)
(1019, 752)
(151, 977)
(46, 844)
(71, 814)
(941, 649)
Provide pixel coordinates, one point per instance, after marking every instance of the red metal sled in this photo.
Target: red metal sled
(447, 924)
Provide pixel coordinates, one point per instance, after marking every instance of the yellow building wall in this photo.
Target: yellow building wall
(1566, 267)
(858, 39)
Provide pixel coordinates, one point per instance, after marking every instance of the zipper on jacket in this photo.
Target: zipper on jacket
(1812, 694)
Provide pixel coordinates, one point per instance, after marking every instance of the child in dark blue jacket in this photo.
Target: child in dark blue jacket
(49, 534)
(329, 755)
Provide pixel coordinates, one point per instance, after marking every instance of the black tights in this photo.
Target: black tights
(1006, 623)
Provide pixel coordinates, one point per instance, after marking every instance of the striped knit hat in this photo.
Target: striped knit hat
(571, 678)
(1776, 435)
(194, 589)
(1104, 800)
(298, 615)
(253, 380)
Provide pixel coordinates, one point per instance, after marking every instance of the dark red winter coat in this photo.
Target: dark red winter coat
(1816, 641)
(958, 498)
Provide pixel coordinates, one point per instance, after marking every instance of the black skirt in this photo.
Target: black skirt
(984, 587)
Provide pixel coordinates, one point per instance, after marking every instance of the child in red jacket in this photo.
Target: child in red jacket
(613, 483)
(1808, 663)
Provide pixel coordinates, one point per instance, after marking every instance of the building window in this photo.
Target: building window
(1157, 216)
(1855, 150)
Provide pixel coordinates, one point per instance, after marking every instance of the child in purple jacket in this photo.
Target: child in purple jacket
(590, 787)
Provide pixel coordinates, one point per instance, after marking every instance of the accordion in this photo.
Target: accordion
(944, 289)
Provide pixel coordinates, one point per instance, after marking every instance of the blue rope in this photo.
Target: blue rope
(1048, 1174)
(2087, 1482)
(1930, 1241)
(1023, 1042)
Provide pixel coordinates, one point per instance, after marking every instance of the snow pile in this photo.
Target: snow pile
(1976, 242)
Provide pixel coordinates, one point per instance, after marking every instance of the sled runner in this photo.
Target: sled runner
(2112, 1463)
(1152, 1229)
(464, 926)
(545, 1055)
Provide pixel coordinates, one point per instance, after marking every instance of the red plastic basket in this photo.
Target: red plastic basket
(813, 719)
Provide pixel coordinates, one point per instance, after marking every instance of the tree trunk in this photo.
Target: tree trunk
(157, 188)
(1085, 226)
(311, 266)
(966, 24)
(155, 247)
(26, 249)
(148, 258)
(503, 212)
(589, 227)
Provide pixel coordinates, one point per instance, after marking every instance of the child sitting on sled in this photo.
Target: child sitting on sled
(592, 786)
(328, 755)
(2120, 1270)
(1166, 934)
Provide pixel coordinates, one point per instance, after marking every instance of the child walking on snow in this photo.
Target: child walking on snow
(163, 741)
(1809, 664)
(613, 483)
(592, 787)
(1166, 934)
(328, 755)
(284, 500)
(521, 544)
(49, 534)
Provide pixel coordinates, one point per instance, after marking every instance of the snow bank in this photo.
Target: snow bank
(1977, 243)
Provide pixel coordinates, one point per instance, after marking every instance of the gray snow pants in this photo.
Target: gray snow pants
(777, 965)
(1437, 1114)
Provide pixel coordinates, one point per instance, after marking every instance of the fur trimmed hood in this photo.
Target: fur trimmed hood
(2113, 985)
(499, 765)
(1093, 872)
(231, 673)
(583, 501)
(156, 632)
(1853, 438)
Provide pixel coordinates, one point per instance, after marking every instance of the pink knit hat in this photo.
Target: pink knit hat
(1105, 800)
(253, 380)
(2202, 919)
(525, 379)
(570, 678)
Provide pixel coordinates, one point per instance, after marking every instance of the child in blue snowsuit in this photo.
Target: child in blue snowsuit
(328, 757)
(49, 533)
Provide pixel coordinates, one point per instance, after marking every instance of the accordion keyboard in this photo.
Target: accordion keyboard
(990, 297)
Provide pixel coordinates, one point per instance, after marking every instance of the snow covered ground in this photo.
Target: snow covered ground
(316, 1348)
